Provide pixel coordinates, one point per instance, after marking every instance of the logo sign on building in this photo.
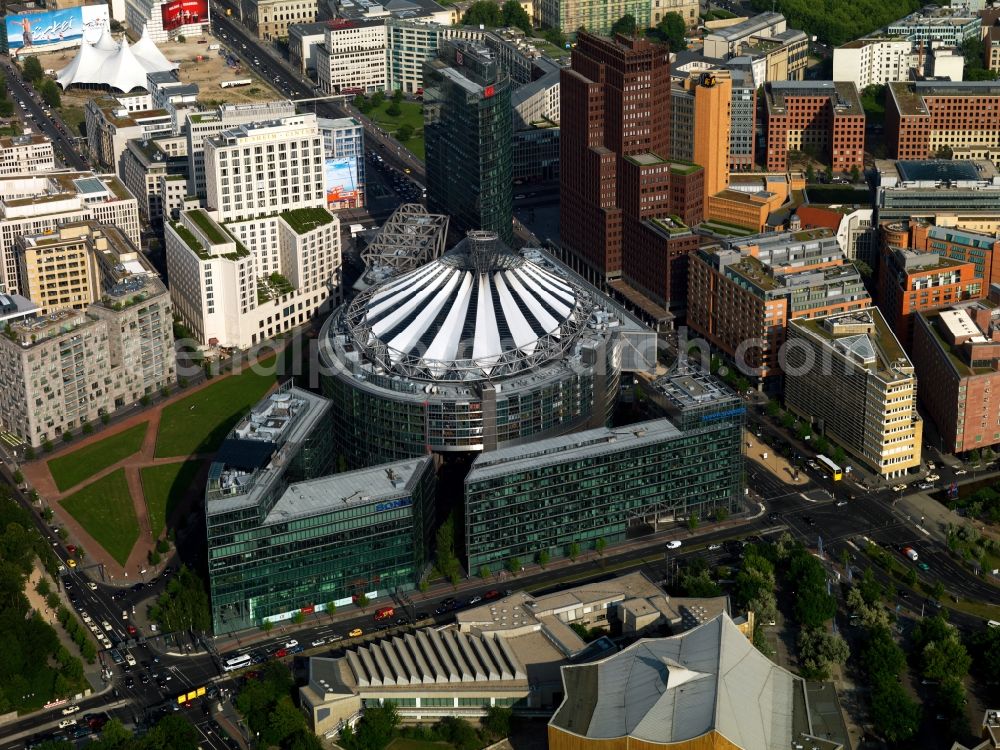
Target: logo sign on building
(308, 609)
(488, 92)
(393, 504)
(179, 13)
(56, 28)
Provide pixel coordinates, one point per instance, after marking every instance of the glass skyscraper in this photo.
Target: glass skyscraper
(284, 535)
(468, 137)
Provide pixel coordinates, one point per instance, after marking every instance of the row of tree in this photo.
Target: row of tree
(34, 665)
(837, 21)
(172, 732)
(380, 725)
(46, 87)
(492, 15)
(268, 708)
(184, 605)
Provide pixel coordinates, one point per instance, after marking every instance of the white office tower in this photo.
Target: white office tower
(265, 254)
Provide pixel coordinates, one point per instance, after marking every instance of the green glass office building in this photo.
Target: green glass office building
(285, 535)
(468, 138)
(609, 484)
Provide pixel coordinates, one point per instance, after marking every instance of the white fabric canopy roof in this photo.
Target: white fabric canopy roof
(120, 66)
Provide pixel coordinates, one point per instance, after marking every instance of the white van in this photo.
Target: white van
(129, 659)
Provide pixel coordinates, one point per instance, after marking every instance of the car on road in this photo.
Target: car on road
(491, 594)
(71, 562)
(673, 544)
(281, 653)
(923, 566)
(356, 633)
(67, 723)
(926, 485)
(899, 488)
(85, 617)
(91, 585)
(475, 600)
(71, 548)
(714, 547)
(106, 625)
(933, 477)
(132, 630)
(960, 472)
(70, 710)
(292, 643)
(318, 642)
(841, 503)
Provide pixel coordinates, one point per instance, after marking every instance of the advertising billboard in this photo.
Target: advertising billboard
(342, 188)
(55, 28)
(177, 13)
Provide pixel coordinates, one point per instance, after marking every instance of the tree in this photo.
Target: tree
(810, 173)
(497, 721)
(787, 420)
(18, 477)
(514, 565)
(543, 557)
(33, 70)
(700, 585)
(377, 98)
(266, 626)
(376, 727)
(393, 110)
(855, 174)
(485, 572)
(404, 133)
(47, 514)
(600, 545)
(183, 605)
(50, 93)
(773, 408)
(839, 456)
(692, 522)
(516, 16)
(819, 650)
(829, 174)
(360, 103)
(298, 618)
(397, 96)
(361, 600)
(624, 25)
(945, 658)
(485, 13)
(672, 30)
(574, 551)
(153, 557)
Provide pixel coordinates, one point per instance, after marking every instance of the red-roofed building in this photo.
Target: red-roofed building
(813, 217)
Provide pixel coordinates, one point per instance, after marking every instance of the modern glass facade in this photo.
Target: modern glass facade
(600, 484)
(468, 138)
(285, 535)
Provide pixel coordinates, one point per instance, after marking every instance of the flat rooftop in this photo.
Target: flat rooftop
(691, 388)
(580, 445)
(864, 337)
(937, 170)
(843, 94)
(909, 95)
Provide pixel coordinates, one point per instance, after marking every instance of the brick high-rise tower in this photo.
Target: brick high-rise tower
(615, 174)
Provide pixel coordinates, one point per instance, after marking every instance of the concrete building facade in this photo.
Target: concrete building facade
(925, 118)
(596, 16)
(26, 154)
(872, 61)
(270, 19)
(741, 297)
(849, 375)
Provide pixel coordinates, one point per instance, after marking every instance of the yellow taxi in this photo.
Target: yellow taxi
(71, 562)
(356, 633)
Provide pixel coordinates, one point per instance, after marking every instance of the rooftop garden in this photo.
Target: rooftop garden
(273, 286)
(210, 229)
(303, 220)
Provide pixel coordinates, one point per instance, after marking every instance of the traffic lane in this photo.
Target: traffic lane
(49, 125)
(17, 731)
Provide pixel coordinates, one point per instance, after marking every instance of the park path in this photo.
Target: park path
(39, 477)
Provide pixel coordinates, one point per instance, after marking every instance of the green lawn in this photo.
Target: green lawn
(200, 422)
(74, 118)
(411, 113)
(104, 508)
(405, 743)
(164, 487)
(71, 469)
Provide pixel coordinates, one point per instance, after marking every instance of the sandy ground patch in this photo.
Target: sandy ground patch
(36, 600)
(206, 72)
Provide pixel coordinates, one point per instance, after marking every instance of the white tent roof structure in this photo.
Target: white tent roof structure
(116, 65)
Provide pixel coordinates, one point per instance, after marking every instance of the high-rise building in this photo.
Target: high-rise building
(848, 374)
(872, 61)
(265, 256)
(67, 368)
(468, 138)
(344, 149)
(700, 129)
(269, 19)
(956, 354)
(924, 118)
(742, 121)
(822, 117)
(741, 297)
(58, 270)
(618, 186)
(287, 536)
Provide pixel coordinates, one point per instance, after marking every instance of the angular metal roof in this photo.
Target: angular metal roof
(477, 312)
(668, 690)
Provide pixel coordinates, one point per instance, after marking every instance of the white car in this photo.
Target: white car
(673, 544)
(92, 586)
(124, 614)
(319, 642)
(67, 723)
(714, 547)
(932, 477)
(106, 625)
(70, 710)
(841, 503)
(85, 617)
(899, 488)
(292, 643)
(960, 472)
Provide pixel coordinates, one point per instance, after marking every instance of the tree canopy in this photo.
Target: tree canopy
(839, 21)
(672, 29)
(624, 25)
(268, 710)
(184, 605)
